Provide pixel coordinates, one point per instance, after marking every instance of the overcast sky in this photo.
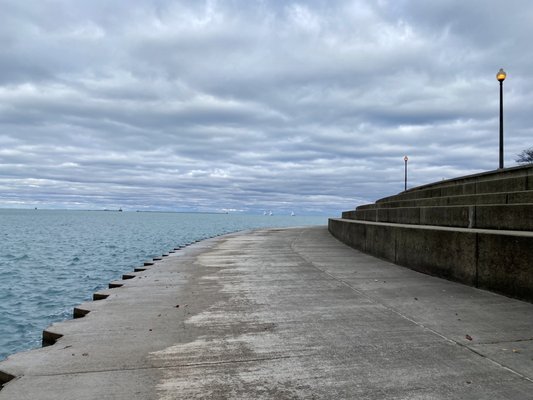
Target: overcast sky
(253, 105)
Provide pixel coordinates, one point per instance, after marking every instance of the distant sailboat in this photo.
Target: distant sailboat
(270, 213)
(292, 214)
(264, 213)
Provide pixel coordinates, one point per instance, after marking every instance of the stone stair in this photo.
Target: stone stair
(476, 229)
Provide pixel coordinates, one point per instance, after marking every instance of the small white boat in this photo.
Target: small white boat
(292, 214)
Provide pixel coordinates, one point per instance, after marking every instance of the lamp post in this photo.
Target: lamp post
(501, 75)
(405, 173)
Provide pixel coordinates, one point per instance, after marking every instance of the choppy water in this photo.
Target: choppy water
(50, 261)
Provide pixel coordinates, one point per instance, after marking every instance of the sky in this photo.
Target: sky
(252, 105)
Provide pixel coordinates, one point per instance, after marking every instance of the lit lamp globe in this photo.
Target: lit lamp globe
(501, 75)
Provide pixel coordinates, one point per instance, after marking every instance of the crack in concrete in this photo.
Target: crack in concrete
(507, 341)
(177, 366)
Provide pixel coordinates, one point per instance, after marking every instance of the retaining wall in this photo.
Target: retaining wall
(486, 242)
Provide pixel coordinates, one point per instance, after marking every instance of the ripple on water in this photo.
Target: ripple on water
(15, 257)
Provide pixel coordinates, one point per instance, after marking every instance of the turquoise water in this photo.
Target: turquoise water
(50, 261)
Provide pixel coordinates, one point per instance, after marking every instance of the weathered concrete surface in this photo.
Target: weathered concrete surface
(284, 314)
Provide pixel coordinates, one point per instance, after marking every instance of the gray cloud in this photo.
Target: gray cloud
(252, 105)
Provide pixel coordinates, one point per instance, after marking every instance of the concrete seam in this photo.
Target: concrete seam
(374, 301)
(445, 338)
(508, 341)
(496, 362)
(176, 366)
(371, 299)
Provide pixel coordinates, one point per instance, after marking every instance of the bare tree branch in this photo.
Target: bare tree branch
(525, 157)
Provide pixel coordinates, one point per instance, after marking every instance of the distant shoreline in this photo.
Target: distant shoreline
(117, 210)
(248, 213)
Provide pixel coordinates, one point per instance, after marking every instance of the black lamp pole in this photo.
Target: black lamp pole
(405, 173)
(501, 77)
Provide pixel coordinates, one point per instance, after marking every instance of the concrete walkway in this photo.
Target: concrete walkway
(283, 314)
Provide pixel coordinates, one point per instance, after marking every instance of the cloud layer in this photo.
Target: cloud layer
(253, 105)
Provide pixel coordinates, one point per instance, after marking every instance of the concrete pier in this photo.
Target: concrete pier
(282, 314)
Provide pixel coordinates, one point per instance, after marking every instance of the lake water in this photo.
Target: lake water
(51, 261)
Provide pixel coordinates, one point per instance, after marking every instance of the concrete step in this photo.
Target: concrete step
(504, 185)
(523, 197)
(502, 216)
(497, 260)
(508, 180)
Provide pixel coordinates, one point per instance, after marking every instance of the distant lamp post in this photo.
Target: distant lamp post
(501, 75)
(405, 159)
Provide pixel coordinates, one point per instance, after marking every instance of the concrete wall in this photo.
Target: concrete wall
(503, 216)
(494, 260)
